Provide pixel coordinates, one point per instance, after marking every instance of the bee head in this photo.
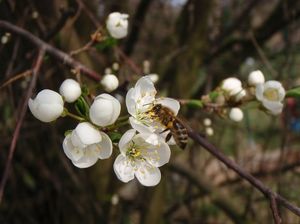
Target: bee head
(157, 107)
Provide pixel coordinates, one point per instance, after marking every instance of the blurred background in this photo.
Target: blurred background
(192, 45)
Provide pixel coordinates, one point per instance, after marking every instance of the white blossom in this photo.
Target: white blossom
(117, 25)
(47, 106)
(140, 99)
(271, 95)
(255, 78)
(70, 90)
(141, 159)
(233, 88)
(110, 82)
(236, 114)
(105, 110)
(85, 145)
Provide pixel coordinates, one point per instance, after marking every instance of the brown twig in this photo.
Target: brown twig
(241, 172)
(20, 122)
(51, 50)
(274, 208)
(16, 77)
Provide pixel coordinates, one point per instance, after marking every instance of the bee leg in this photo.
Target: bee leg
(168, 137)
(167, 129)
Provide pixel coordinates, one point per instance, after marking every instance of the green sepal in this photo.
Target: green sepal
(107, 43)
(295, 93)
(114, 136)
(82, 107)
(67, 132)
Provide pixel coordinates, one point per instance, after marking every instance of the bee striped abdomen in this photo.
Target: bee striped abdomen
(179, 133)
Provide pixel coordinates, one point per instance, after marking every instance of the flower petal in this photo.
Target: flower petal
(139, 126)
(87, 133)
(130, 102)
(169, 103)
(148, 175)
(125, 139)
(106, 147)
(157, 155)
(123, 169)
(274, 108)
(259, 92)
(71, 152)
(85, 162)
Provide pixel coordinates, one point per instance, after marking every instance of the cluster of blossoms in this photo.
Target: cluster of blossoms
(142, 149)
(269, 94)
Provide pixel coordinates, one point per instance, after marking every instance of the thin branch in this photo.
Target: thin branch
(20, 122)
(274, 208)
(16, 77)
(51, 50)
(241, 172)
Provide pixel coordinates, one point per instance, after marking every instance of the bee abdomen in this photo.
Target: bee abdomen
(179, 133)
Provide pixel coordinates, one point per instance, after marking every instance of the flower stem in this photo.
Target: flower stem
(76, 117)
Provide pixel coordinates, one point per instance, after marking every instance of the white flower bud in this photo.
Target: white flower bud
(47, 105)
(110, 82)
(256, 77)
(117, 25)
(154, 77)
(107, 71)
(105, 110)
(232, 86)
(70, 90)
(207, 122)
(209, 131)
(240, 95)
(236, 114)
(115, 66)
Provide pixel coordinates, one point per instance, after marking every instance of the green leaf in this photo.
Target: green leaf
(213, 96)
(107, 43)
(85, 90)
(114, 136)
(195, 104)
(293, 93)
(82, 107)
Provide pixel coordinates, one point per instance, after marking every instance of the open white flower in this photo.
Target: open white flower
(117, 25)
(47, 106)
(255, 78)
(233, 88)
(85, 145)
(271, 95)
(236, 114)
(105, 110)
(70, 90)
(140, 99)
(110, 82)
(140, 159)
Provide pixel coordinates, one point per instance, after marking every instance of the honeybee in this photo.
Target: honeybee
(167, 118)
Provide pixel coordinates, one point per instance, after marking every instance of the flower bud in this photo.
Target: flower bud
(117, 25)
(105, 110)
(236, 114)
(209, 131)
(207, 122)
(47, 105)
(70, 90)
(256, 77)
(154, 77)
(110, 82)
(232, 86)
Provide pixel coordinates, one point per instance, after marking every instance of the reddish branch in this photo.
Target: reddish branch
(20, 122)
(51, 50)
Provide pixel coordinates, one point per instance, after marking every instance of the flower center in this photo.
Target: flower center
(134, 152)
(271, 94)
